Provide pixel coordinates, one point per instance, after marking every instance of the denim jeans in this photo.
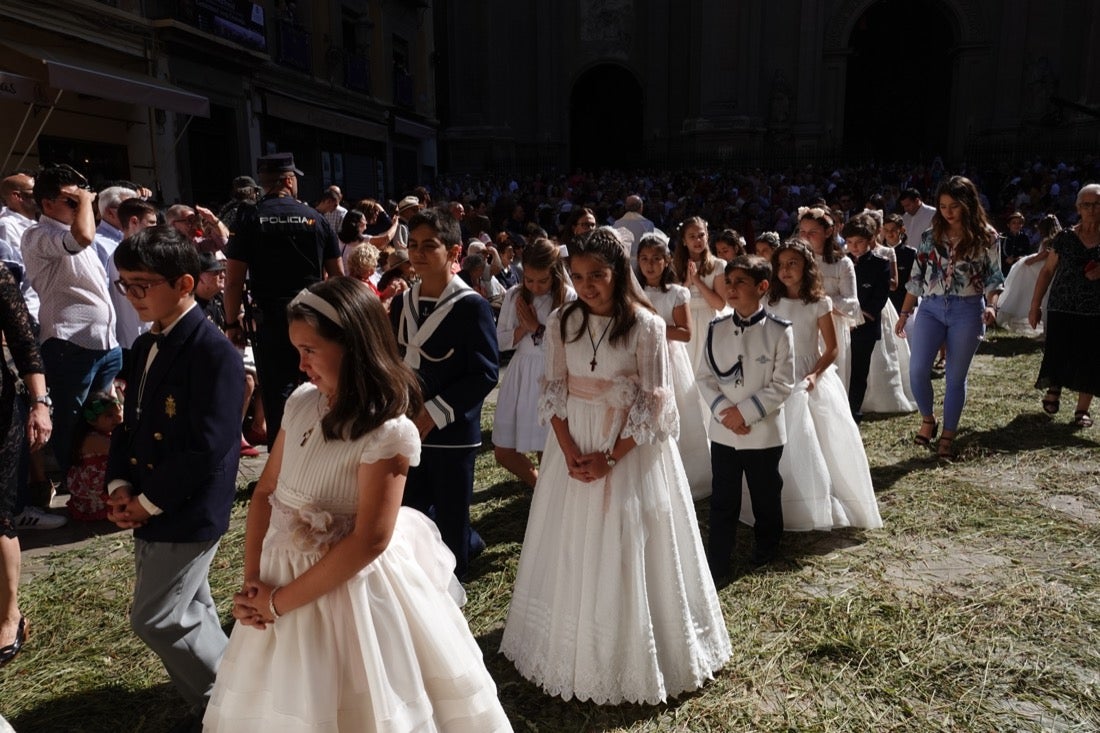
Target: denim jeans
(955, 321)
(72, 373)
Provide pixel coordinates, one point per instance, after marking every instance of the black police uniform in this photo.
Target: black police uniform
(285, 244)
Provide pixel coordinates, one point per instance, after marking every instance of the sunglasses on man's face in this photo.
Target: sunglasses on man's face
(71, 203)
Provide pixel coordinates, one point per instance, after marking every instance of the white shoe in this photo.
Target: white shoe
(34, 518)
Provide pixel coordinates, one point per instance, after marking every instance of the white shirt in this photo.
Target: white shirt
(72, 286)
(637, 225)
(12, 227)
(106, 241)
(918, 223)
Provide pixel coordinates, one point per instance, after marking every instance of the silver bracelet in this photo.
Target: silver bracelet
(271, 602)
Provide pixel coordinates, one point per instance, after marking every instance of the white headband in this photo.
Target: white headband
(319, 304)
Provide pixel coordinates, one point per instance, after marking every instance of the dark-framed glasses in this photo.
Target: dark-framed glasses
(137, 290)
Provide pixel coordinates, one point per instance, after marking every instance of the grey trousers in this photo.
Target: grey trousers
(175, 615)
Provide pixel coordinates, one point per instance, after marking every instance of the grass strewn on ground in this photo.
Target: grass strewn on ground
(974, 609)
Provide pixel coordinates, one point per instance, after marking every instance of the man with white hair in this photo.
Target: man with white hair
(109, 232)
(634, 222)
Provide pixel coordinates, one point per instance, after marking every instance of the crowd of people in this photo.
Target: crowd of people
(664, 338)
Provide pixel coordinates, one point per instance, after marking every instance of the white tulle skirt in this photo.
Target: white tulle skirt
(388, 651)
(826, 477)
(888, 380)
(693, 443)
(613, 601)
(1015, 302)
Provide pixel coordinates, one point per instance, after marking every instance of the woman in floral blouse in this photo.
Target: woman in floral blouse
(957, 276)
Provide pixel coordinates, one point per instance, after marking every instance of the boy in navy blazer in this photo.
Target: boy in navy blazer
(873, 290)
(172, 469)
(447, 334)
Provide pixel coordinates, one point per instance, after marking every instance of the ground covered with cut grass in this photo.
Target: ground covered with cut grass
(976, 608)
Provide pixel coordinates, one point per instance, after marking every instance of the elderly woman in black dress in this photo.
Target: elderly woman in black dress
(1072, 272)
(15, 322)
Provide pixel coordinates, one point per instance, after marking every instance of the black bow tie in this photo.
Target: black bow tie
(750, 321)
(158, 338)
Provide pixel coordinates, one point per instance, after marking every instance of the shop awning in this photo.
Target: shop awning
(16, 88)
(76, 75)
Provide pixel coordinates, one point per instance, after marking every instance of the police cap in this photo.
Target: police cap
(277, 163)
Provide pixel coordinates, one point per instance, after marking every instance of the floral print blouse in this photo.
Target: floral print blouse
(934, 273)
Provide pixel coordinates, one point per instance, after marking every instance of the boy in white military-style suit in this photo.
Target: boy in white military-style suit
(746, 375)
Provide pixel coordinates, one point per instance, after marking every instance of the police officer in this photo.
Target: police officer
(283, 246)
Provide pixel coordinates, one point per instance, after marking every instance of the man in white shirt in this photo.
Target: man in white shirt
(16, 216)
(109, 232)
(77, 319)
(635, 223)
(918, 215)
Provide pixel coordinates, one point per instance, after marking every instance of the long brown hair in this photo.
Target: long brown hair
(978, 233)
(604, 245)
(680, 255)
(810, 290)
(542, 254)
(375, 384)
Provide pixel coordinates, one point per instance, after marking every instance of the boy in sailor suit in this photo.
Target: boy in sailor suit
(747, 373)
(448, 337)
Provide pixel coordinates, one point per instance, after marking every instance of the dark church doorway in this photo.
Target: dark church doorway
(605, 119)
(898, 101)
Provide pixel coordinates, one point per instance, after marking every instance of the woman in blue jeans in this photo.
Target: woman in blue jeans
(957, 277)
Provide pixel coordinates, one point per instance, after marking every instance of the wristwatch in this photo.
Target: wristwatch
(610, 461)
(44, 399)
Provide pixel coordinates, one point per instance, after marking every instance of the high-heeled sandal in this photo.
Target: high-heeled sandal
(945, 450)
(8, 652)
(1052, 401)
(925, 441)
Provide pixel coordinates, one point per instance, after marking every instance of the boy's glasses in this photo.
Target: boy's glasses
(137, 290)
(71, 203)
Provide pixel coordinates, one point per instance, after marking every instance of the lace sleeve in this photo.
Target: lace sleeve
(653, 416)
(15, 322)
(554, 386)
(396, 437)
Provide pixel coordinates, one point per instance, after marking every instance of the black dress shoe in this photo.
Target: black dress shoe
(761, 557)
(8, 653)
(190, 724)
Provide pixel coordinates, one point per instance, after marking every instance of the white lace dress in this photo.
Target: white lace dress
(702, 314)
(516, 421)
(613, 601)
(826, 477)
(388, 651)
(839, 281)
(693, 443)
(888, 379)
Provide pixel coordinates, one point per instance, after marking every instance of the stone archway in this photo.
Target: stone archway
(605, 119)
(899, 88)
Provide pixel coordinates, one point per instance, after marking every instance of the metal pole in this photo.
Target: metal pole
(39, 130)
(18, 135)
